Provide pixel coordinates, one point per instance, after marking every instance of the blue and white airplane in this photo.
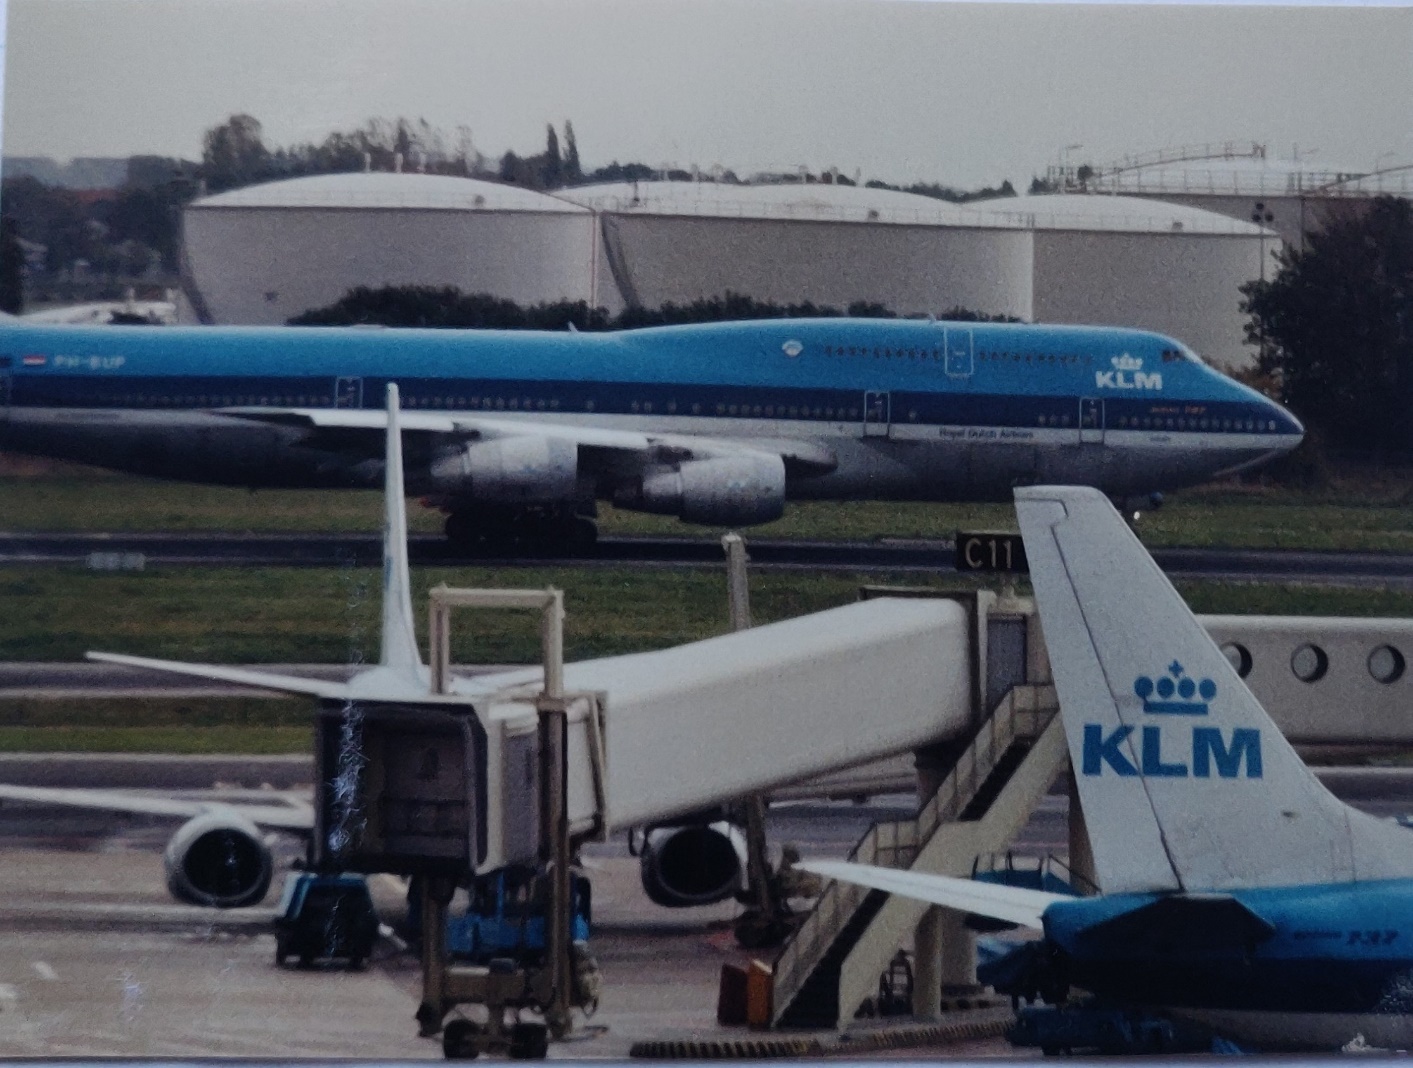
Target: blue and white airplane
(1236, 889)
(719, 423)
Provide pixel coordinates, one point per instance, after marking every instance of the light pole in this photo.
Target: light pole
(1065, 163)
(1262, 217)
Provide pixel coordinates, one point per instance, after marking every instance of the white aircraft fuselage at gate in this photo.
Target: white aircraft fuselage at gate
(1236, 889)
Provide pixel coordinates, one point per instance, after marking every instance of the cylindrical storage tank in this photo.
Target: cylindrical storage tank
(265, 253)
(1127, 261)
(791, 243)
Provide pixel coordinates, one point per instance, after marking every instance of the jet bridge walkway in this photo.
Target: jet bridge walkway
(834, 959)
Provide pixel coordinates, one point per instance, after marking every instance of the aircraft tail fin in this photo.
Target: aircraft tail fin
(1185, 781)
(399, 634)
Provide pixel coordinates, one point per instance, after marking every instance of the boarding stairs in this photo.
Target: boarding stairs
(833, 961)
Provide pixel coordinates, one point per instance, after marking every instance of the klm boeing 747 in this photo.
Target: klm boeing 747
(520, 433)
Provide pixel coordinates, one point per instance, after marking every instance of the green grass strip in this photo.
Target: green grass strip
(253, 741)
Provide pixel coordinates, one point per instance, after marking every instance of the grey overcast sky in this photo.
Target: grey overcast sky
(965, 94)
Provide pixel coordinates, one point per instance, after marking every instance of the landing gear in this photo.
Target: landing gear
(1132, 508)
(465, 1040)
(488, 531)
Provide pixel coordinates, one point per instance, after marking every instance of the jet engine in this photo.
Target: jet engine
(724, 490)
(520, 470)
(218, 859)
(693, 864)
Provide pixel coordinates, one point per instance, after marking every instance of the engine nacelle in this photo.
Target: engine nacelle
(520, 470)
(218, 859)
(693, 864)
(724, 490)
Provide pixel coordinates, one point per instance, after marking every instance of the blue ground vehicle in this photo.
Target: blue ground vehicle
(325, 918)
(505, 917)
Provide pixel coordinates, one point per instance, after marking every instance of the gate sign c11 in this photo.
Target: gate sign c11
(991, 552)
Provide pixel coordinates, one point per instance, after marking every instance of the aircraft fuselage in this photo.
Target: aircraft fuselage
(1339, 962)
(907, 409)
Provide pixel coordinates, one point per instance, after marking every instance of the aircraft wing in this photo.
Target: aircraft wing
(1012, 904)
(353, 427)
(298, 817)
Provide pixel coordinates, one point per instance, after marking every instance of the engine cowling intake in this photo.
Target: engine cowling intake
(218, 859)
(725, 490)
(519, 470)
(693, 864)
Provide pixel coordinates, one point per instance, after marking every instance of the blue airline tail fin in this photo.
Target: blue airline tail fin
(1186, 783)
(399, 635)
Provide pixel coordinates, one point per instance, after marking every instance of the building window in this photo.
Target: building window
(1309, 663)
(1386, 664)
(1239, 657)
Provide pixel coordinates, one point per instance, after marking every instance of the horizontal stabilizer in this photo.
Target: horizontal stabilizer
(220, 673)
(1012, 904)
(283, 817)
(1191, 922)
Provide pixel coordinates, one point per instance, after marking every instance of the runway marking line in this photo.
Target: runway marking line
(46, 972)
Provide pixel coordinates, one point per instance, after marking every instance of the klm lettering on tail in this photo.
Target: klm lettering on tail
(1128, 373)
(1170, 752)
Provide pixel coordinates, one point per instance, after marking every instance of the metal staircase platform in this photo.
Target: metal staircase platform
(833, 961)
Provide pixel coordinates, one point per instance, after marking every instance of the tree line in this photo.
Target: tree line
(1334, 330)
(446, 307)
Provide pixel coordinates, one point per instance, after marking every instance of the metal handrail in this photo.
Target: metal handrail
(1021, 716)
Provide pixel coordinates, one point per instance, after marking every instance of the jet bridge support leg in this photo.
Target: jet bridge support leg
(927, 966)
(766, 919)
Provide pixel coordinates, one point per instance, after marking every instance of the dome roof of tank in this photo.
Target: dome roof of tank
(381, 189)
(1084, 211)
(812, 202)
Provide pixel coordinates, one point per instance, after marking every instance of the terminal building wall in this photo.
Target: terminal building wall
(651, 259)
(1185, 286)
(259, 265)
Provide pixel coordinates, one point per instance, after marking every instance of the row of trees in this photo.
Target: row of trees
(447, 307)
(1334, 329)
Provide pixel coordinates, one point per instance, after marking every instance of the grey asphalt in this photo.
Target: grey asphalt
(119, 550)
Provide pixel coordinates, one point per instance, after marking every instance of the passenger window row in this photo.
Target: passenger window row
(1134, 422)
(883, 352)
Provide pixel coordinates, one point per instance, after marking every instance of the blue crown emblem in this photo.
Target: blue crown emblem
(1175, 692)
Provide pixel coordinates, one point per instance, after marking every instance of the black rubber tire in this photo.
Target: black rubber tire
(529, 1042)
(456, 1040)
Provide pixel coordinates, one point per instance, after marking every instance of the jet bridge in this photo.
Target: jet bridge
(450, 779)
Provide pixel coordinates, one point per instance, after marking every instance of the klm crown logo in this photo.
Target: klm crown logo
(1173, 694)
(1172, 750)
(1127, 373)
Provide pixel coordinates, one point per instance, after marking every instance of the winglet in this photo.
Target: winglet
(399, 639)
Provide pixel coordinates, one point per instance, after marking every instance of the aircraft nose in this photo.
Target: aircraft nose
(1286, 424)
